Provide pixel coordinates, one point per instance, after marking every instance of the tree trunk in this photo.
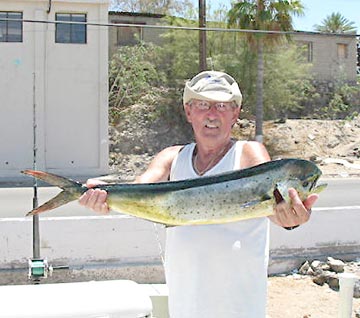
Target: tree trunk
(202, 36)
(259, 92)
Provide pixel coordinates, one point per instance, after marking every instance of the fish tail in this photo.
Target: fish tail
(71, 190)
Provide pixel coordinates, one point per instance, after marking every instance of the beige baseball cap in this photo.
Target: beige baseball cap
(212, 86)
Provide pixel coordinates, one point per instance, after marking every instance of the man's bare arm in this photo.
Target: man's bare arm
(158, 171)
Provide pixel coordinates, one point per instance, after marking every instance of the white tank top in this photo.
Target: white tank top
(216, 271)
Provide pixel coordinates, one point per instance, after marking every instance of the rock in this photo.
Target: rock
(332, 280)
(243, 123)
(311, 136)
(319, 279)
(137, 150)
(281, 120)
(357, 313)
(315, 264)
(303, 270)
(336, 265)
(357, 290)
(310, 272)
(318, 266)
(315, 158)
(333, 143)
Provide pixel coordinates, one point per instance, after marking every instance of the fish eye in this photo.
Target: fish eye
(305, 184)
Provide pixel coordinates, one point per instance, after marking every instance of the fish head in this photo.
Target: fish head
(302, 175)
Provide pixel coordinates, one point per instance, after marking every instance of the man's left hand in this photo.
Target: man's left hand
(295, 212)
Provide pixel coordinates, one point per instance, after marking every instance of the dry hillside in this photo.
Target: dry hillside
(139, 135)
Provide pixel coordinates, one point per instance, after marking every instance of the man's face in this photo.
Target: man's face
(211, 119)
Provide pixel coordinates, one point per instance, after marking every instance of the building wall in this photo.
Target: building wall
(328, 62)
(124, 35)
(68, 85)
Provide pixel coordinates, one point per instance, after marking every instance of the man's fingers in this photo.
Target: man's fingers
(100, 204)
(302, 209)
(310, 201)
(285, 214)
(95, 199)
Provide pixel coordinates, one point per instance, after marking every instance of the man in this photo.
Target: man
(214, 270)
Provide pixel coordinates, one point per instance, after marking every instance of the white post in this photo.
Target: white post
(346, 281)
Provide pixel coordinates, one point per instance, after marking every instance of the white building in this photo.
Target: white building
(59, 73)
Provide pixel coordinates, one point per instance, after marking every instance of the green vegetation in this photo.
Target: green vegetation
(133, 78)
(270, 15)
(335, 23)
(154, 76)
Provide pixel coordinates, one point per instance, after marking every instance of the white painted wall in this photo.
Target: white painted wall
(67, 82)
(332, 232)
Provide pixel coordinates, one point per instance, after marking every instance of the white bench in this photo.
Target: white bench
(96, 299)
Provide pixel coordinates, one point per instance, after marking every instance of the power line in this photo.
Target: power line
(172, 27)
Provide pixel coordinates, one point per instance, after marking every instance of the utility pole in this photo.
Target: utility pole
(202, 36)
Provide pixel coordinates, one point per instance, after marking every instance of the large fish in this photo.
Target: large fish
(222, 198)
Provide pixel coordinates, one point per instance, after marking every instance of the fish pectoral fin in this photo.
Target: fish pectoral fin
(255, 202)
(62, 198)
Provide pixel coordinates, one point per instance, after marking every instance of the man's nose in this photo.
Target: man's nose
(213, 110)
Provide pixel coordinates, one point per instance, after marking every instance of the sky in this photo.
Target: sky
(316, 11)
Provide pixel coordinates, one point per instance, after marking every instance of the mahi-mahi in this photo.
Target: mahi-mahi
(227, 197)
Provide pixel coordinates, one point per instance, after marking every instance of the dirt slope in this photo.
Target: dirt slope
(139, 136)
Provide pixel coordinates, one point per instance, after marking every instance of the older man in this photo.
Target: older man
(215, 271)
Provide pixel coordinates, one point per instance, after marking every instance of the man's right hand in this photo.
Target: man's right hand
(95, 199)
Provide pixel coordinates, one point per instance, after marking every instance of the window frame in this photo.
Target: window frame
(342, 51)
(72, 28)
(6, 22)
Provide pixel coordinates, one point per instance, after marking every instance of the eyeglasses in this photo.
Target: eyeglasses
(220, 106)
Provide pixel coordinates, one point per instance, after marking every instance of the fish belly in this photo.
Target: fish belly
(213, 204)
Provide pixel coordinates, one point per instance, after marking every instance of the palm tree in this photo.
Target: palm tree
(335, 23)
(268, 15)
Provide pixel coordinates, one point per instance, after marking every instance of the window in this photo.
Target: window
(307, 48)
(128, 35)
(70, 32)
(11, 31)
(342, 51)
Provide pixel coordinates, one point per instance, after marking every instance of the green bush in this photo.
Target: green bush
(133, 74)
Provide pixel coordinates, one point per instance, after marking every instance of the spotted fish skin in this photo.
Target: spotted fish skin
(222, 198)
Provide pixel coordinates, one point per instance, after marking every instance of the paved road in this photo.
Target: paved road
(15, 202)
(340, 192)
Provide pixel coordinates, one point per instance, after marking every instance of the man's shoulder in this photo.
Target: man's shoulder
(172, 149)
(168, 154)
(253, 154)
(252, 147)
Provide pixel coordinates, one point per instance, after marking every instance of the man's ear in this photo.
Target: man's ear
(187, 109)
(236, 114)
